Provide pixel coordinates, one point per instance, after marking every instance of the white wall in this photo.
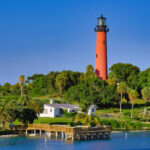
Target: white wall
(49, 112)
(55, 111)
(92, 110)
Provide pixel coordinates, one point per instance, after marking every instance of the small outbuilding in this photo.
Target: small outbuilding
(92, 109)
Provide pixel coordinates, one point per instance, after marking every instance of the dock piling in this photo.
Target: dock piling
(67, 132)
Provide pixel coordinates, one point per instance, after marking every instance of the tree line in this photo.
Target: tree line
(124, 81)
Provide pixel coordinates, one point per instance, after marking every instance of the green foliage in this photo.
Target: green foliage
(41, 85)
(84, 119)
(67, 79)
(15, 89)
(146, 93)
(70, 114)
(34, 77)
(122, 88)
(124, 100)
(88, 92)
(109, 96)
(122, 125)
(112, 79)
(57, 120)
(27, 115)
(127, 113)
(22, 109)
(6, 132)
(133, 95)
(92, 91)
(7, 87)
(21, 82)
(126, 73)
(89, 74)
(80, 88)
(61, 81)
(144, 78)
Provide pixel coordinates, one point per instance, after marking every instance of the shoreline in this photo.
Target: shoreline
(10, 135)
(115, 131)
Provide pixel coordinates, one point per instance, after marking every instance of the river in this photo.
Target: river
(118, 141)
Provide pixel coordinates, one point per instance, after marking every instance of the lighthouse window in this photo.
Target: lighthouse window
(104, 42)
(96, 55)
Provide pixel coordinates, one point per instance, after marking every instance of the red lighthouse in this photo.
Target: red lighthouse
(101, 48)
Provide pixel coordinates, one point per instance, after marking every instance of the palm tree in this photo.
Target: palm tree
(133, 94)
(91, 120)
(146, 96)
(88, 120)
(89, 73)
(22, 81)
(121, 89)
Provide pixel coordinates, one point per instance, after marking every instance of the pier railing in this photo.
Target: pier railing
(68, 131)
(62, 128)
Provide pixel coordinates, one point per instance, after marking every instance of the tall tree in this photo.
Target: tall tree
(7, 86)
(133, 95)
(22, 81)
(61, 81)
(26, 110)
(126, 73)
(146, 96)
(93, 91)
(89, 74)
(7, 113)
(3, 117)
(121, 89)
(51, 78)
(15, 89)
(144, 78)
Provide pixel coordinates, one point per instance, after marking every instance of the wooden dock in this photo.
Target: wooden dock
(66, 132)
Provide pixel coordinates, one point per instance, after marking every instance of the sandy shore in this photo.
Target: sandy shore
(130, 131)
(10, 135)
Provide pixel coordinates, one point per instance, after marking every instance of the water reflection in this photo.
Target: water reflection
(118, 141)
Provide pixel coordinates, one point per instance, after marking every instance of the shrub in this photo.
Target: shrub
(92, 124)
(127, 113)
(125, 125)
(70, 114)
(71, 124)
(6, 132)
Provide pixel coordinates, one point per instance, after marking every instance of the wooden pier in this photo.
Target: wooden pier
(66, 132)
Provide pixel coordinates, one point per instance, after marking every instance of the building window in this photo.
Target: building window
(50, 110)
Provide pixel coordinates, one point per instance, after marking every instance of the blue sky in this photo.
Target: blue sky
(38, 36)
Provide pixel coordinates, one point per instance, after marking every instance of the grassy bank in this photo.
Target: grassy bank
(46, 120)
(124, 121)
(116, 124)
(110, 117)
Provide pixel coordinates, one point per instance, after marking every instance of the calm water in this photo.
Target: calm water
(118, 141)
